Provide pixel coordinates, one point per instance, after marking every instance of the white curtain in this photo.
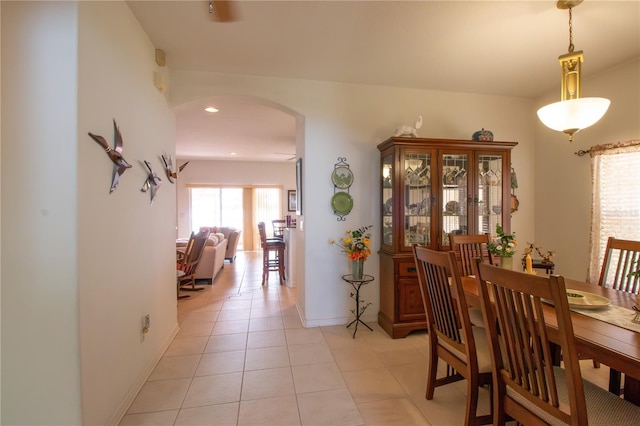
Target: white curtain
(615, 211)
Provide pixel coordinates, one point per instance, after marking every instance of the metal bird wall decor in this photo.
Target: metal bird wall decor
(115, 154)
(152, 183)
(168, 168)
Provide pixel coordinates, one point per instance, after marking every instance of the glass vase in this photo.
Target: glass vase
(357, 268)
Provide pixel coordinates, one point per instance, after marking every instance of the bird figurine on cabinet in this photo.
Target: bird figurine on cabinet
(168, 168)
(115, 154)
(152, 183)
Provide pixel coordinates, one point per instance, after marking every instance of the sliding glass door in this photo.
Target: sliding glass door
(235, 207)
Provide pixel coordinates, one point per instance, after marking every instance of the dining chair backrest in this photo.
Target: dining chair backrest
(526, 385)
(441, 299)
(451, 336)
(620, 258)
(467, 248)
(278, 227)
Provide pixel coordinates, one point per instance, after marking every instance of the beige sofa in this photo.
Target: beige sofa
(212, 260)
(232, 235)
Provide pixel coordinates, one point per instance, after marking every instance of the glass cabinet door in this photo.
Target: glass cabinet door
(417, 198)
(489, 200)
(387, 200)
(455, 196)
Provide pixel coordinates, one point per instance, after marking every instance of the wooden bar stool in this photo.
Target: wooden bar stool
(272, 255)
(278, 228)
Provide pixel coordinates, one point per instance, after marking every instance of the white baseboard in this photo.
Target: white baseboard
(119, 413)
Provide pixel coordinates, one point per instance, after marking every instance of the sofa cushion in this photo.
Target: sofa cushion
(226, 230)
(212, 240)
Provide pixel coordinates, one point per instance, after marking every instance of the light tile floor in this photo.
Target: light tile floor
(242, 357)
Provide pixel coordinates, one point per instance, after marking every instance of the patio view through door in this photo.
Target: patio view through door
(235, 207)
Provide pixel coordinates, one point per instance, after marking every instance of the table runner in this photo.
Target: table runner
(613, 314)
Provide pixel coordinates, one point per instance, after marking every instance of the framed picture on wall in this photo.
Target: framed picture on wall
(292, 200)
(299, 187)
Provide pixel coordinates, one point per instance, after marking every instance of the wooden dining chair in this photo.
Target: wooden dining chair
(188, 260)
(526, 385)
(620, 258)
(469, 247)
(452, 338)
(272, 255)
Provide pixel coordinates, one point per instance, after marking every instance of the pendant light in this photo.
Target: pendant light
(572, 113)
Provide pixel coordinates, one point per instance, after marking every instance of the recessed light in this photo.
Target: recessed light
(211, 109)
(233, 153)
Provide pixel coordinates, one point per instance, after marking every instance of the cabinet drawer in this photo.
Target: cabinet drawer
(407, 269)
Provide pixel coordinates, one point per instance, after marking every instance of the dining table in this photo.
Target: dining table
(612, 345)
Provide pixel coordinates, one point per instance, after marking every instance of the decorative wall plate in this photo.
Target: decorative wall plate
(342, 203)
(515, 203)
(342, 177)
(452, 207)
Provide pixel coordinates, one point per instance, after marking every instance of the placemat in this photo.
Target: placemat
(613, 314)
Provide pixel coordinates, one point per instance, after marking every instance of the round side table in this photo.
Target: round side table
(356, 283)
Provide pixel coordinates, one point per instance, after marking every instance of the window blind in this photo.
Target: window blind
(615, 202)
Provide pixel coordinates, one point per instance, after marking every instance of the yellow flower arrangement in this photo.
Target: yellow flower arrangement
(356, 243)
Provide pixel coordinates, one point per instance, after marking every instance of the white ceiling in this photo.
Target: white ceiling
(489, 47)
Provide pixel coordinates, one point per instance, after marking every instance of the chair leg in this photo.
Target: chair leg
(472, 402)
(193, 285)
(596, 364)
(281, 266)
(265, 265)
(433, 370)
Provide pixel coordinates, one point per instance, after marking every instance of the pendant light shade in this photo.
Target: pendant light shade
(572, 113)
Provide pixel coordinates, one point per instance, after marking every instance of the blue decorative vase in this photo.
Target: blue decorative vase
(483, 135)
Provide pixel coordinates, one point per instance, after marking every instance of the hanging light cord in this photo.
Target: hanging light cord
(571, 46)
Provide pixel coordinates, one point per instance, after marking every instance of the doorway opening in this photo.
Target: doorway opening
(236, 207)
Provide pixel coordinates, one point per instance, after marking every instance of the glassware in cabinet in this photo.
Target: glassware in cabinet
(455, 195)
(387, 200)
(417, 198)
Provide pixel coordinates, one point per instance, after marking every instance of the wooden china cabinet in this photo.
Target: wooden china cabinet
(430, 188)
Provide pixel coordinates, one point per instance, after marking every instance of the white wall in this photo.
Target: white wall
(563, 180)
(349, 120)
(126, 247)
(40, 342)
(80, 266)
(230, 173)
